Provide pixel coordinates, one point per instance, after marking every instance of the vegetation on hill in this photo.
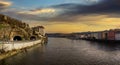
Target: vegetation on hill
(6, 20)
(8, 25)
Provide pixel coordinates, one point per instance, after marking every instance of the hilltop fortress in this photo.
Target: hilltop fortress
(16, 30)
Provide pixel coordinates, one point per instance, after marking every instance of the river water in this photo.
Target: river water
(63, 51)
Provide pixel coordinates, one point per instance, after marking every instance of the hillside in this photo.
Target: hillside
(9, 27)
(8, 21)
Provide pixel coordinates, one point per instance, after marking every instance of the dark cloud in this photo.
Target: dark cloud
(107, 7)
(71, 11)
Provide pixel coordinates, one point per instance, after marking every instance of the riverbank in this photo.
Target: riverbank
(101, 41)
(8, 50)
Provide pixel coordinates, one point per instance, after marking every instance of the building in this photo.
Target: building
(39, 30)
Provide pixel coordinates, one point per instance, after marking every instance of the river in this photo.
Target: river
(63, 51)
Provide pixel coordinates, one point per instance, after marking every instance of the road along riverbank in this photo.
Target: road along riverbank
(8, 49)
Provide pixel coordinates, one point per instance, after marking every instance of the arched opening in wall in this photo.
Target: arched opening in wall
(17, 38)
(32, 38)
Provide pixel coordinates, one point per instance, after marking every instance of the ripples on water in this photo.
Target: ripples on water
(62, 51)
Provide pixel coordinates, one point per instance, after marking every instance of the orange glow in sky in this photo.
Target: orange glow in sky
(69, 27)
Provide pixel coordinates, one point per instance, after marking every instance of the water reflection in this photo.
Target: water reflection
(107, 46)
(62, 51)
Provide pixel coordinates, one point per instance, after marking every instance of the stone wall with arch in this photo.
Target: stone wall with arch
(20, 33)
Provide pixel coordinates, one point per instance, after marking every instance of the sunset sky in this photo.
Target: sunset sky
(65, 16)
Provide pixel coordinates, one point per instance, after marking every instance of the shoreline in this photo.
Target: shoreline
(13, 52)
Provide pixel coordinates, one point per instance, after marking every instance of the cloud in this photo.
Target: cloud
(4, 4)
(106, 6)
(39, 11)
(83, 2)
(72, 12)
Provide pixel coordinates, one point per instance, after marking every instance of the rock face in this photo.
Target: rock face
(12, 29)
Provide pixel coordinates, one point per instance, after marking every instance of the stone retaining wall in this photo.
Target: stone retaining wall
(9, 46)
